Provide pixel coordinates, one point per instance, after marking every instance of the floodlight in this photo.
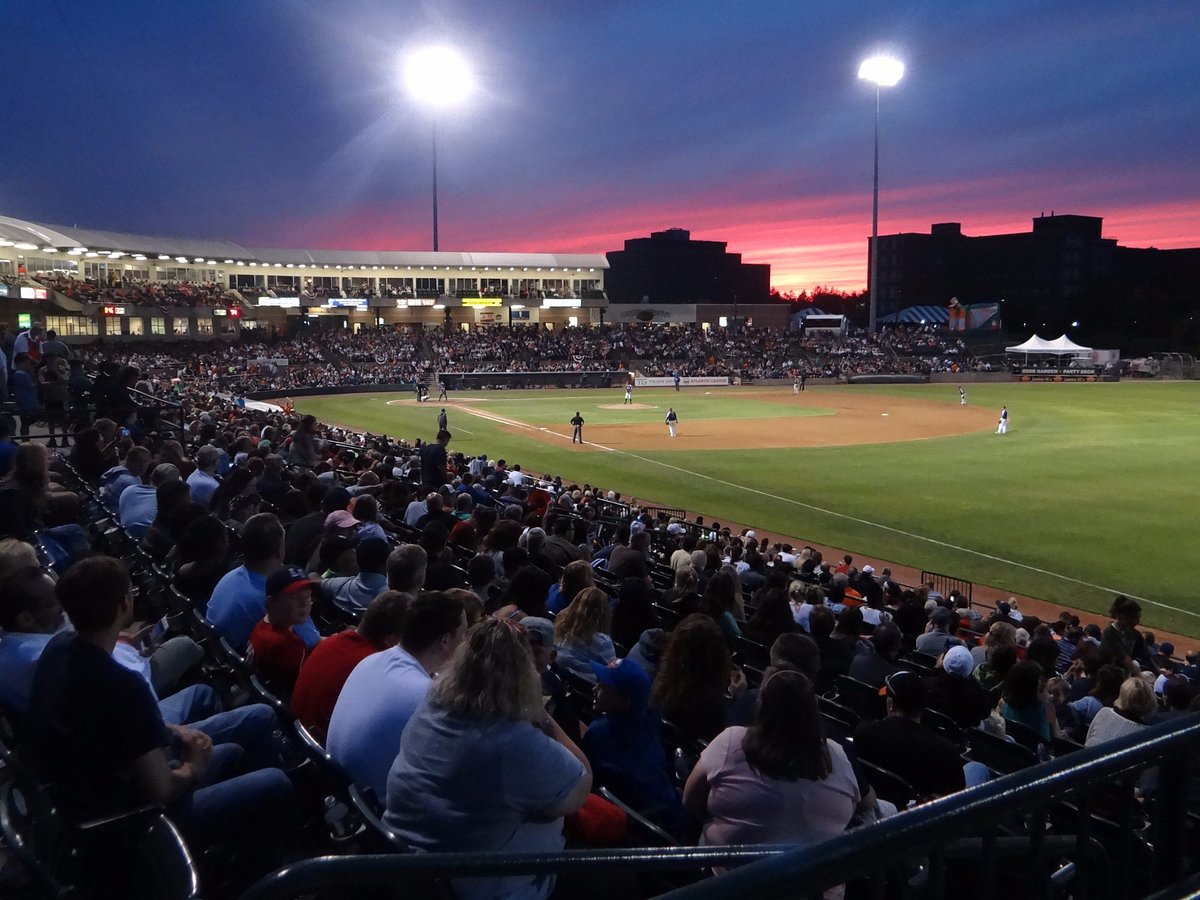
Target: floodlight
(884, 71)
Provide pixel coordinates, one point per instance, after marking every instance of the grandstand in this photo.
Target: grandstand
(186, 530)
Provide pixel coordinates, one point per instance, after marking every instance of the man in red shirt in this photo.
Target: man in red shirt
(275, 647)
(332, 661)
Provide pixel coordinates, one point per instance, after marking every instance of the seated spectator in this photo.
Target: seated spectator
(1104, 692)
(874, 668)
(1129, 714)
(559, 548)
(203, 481)
(238, 483)
(789, 651)
(385, 688)
(356, 592)
(304, 536)
(201, 559)
(902, 745)
(366, 510)
(97, 735)
(170, 500)
(695, 679)
(623, 743)
(95, 452)
(633, 615)
(277, 650)
(525, 594)
(406, 569)
(441, 573)
(239, 600)
(554, 682)
(29, 619)
(1024, 700)
(780, 781)
(581, 633)
(115, 480)
(473, 775)
(836, 655)
(954, 692)
(631, 561)
(648, 650)
(719, 603)
(139, 503)
(938, 638)
(576, 576)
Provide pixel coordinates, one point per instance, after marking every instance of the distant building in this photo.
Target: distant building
(669, 267)
(1059, 271)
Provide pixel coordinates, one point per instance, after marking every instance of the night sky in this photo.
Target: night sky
(284, 124)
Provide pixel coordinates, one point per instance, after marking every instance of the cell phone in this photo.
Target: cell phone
(124, 432)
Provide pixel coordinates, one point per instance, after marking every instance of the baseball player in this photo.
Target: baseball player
(1002, 428)
(577, 427)
(962, 396)
(628, 393)
(672, 420)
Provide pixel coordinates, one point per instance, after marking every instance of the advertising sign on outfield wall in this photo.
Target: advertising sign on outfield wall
(694, 381)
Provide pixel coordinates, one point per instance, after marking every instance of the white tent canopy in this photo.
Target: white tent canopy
(1034, 345)
(1065, 345)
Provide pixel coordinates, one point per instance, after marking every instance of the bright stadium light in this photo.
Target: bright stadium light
(440, 78)
(881, 71)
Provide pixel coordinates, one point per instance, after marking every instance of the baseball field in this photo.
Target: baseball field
(1093, 491)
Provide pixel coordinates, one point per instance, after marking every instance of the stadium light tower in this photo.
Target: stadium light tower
(440, 78)
(882, 71)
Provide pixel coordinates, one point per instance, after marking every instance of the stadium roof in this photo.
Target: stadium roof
(60, 237)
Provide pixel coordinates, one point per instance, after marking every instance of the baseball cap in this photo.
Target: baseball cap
(868, 570)
(907, 690)
(626, 677)
(958, 662)
(341, 518)
(1166, 648)
(288, 580)
(540, 631)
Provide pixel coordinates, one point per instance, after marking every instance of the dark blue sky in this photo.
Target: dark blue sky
(283, 123)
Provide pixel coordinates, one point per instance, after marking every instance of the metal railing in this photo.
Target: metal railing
(927, 847)
(944, 584)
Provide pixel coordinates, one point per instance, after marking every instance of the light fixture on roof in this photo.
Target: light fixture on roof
(140, 257)
(49, 249)
(91, 254)
(291, 265)
(182, 259)
(374, 268)
(326, 266)
(211, 262)
(163, 256)
(115, 254)
(25, 245)
(198, 259)
(5, 243)
(229, 262)
(241, 262)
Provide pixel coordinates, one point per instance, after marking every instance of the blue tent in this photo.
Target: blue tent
(917, 315)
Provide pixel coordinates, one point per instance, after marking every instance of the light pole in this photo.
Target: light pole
(438, 77)
(882, 71)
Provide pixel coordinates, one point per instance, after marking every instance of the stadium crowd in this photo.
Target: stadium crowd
(196, 612)
(165, 295)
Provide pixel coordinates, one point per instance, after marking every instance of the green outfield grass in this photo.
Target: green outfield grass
(1093, 491)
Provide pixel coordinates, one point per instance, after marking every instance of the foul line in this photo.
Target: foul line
(846, 516)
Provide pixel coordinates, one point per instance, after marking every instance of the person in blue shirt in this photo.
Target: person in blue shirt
(24, 391)
(624, 747)
(239, 600)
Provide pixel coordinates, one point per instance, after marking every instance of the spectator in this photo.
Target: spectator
(329, 665)
(623, 743)
(780, 781)
(114, 482)
(203, 481)
(406, 569)
(277, 650)
(355, 592)
(1024, 700)
(1128, 715)
(472, 773)
(576, 576)
(173, 510)
(385, 689)
(719, 603)
(139, 504)
(954, 692)
(201, 559)
(874, 668)
(633, 614)
(239, 599)
(695, 679)
(937, 639)
(901, 744)
(97, 735)
(581, 633)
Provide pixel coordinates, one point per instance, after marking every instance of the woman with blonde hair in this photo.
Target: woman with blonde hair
(581, 632)
(1129, 714)
(576, 576)
(482, 766)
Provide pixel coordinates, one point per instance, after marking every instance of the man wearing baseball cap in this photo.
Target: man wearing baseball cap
(954, 692)
(623, 744)
(276, 648)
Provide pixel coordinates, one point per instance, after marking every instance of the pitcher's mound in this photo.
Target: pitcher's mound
(626, 406)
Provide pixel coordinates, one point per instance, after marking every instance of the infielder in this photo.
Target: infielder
(962, 396)
(628, 393)
(671, 420)
(1003, 426)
